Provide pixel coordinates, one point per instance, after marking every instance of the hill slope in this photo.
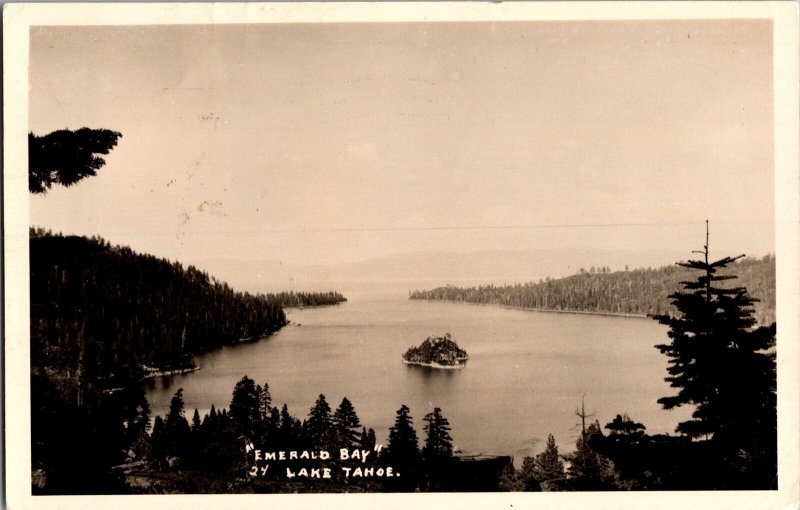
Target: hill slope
(635, 292)
(99, 313)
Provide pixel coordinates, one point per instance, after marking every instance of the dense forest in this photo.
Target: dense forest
(254, 446)
(102, 314)
(104, 317)
(87, 299)
(630, 292)
(301, 299)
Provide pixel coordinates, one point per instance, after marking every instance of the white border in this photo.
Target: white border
(18, 18)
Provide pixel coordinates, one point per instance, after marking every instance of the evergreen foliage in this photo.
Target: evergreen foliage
(724, 366)
(588, 469)
(176, 428)
(367, 440)
(245, 405)
(320, 426)
(438, 351)
(196, 423)
(102, 316)
(65, 157)
(264, 402)
(634, 292)
(402, 451)
(622, 424)
(438, 442)
(346, 424)
(548, 465)
(301, 299)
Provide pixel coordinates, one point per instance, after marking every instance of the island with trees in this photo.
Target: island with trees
(102, 317)
(437, 352)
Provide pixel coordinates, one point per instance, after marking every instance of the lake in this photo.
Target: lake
(525, 378)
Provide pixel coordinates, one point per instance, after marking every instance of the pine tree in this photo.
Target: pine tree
(722, 365)
(175, 416)
(548, 465)
(319, 426)
(244, 409)
(438, 443)
(588, 469)
(158, 439)
(264, 402)
(274, 420)
(367, 439)
(346, 424)
(287, 421)
(176, 428)
(623, 425)
(402, 451)
(196, 420)
(65, 157)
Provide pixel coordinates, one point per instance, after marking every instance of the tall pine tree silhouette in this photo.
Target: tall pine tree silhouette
(402, 452)
(722, 365)
(438, 443)
(346, 423)
(319, 425)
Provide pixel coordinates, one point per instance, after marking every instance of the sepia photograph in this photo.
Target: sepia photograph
(402, 250)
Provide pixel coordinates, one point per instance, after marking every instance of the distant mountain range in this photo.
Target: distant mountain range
(444, 267)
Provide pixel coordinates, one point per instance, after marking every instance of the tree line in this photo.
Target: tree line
(223, 442)
(300, 299)
(99, 313)
(635, 292)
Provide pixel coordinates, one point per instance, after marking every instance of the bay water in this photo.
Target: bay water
(527, 374)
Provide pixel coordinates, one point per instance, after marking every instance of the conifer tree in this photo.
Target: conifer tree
(196, 420)
(176, 428)
(527, 473)
(158, 440)
(367, 439)
(722, 364)
(438, 443)
(548, 465)
(588, 469)
(65, 157)
(346, 424)
(274, 420)
(244, 409)
(264, 402)
(319, 425)
(287, 421)
(403, 448)
(623, 425)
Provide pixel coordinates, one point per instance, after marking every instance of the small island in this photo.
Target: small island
(437, 352)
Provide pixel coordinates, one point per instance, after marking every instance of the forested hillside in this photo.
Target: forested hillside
(99, 313)
(634, 292)
(298, 299)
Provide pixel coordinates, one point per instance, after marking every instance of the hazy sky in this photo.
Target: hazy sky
(327, 143)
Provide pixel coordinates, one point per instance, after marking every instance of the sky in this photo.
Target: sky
(334, 143)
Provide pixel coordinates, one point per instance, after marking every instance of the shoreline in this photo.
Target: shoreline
(543, 310)
(152, 374)
(300, 307)
(435, 365)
